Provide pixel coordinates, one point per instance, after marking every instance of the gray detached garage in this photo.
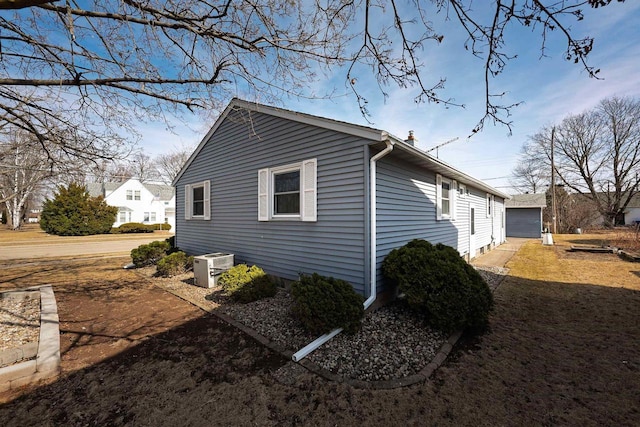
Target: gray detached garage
(524, 215)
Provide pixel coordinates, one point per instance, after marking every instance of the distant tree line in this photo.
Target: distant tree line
(596, 157)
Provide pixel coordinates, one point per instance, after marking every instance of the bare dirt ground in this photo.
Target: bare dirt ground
(563, 349)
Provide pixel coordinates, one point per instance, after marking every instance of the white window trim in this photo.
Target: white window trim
(188, 195)
(462, 191)
(308, 192)
(272, 185)
(491, 205)
(453, 192)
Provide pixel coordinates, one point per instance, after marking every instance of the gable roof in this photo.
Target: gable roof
(96, 189)
(376, 136)
(537, 200)
(162, 192)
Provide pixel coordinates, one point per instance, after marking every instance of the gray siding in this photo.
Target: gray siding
(334, 245)
(406, 202)
(406, 198)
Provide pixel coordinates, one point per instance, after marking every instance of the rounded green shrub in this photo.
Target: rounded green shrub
(135, 227)
(325, 303)
(246, 284)
(174, 264)
(438, 283)
(150, 253)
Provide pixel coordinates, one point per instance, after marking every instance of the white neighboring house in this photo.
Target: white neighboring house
(138, 202)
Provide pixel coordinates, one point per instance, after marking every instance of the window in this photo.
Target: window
(129, 194)
(153, 217)
(288, 192)
(136, 195)
(473, 221)
(149, 217)
(123, 216)
(446, 191)
(490, 205)
(444, 199)
(196, 201)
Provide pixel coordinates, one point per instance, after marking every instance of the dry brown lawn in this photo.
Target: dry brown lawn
(563, 349)
(32, 234)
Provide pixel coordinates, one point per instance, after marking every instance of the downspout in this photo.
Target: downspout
(303, 352)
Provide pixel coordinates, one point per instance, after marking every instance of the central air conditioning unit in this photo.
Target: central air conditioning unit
(208, 268)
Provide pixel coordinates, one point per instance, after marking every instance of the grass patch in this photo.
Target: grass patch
(556, 264)
(32, 234)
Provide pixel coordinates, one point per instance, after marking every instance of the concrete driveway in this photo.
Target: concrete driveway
(500, 256)
(100, 245)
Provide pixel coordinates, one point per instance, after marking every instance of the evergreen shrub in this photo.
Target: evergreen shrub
(325, 303)
(73, 212)
(150, 253)
(441, 285)
(246, 284)
(174, 264)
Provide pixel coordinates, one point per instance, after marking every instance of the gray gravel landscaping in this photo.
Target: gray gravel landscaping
(19, 318)
(392, 344)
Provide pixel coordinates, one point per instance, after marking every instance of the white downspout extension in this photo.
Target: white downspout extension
(306, 350)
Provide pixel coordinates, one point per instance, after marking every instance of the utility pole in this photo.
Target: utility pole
(553, 183)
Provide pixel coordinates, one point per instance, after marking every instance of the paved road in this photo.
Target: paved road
(66, 249)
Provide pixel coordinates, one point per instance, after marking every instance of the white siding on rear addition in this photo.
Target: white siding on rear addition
(333, 243)
(488, 218)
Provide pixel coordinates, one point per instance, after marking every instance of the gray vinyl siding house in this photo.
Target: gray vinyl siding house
(293, 193)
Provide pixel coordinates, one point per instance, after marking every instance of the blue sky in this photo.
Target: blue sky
(549, 87)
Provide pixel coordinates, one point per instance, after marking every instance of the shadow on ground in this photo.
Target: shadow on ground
(556, 354)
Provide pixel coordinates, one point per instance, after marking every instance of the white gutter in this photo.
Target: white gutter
(303, 352)
(373, 223)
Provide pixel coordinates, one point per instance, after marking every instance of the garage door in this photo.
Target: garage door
(523, 222)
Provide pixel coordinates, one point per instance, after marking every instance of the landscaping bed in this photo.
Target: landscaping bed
(393, 343)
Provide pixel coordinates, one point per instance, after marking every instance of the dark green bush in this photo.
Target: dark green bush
(138, 227)
(135, 227)
(174, 264)
(73, 212)
(438, 283)
(246, 284)
(325, 303)
(149, 254)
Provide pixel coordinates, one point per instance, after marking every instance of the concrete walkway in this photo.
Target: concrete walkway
(500, 256)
